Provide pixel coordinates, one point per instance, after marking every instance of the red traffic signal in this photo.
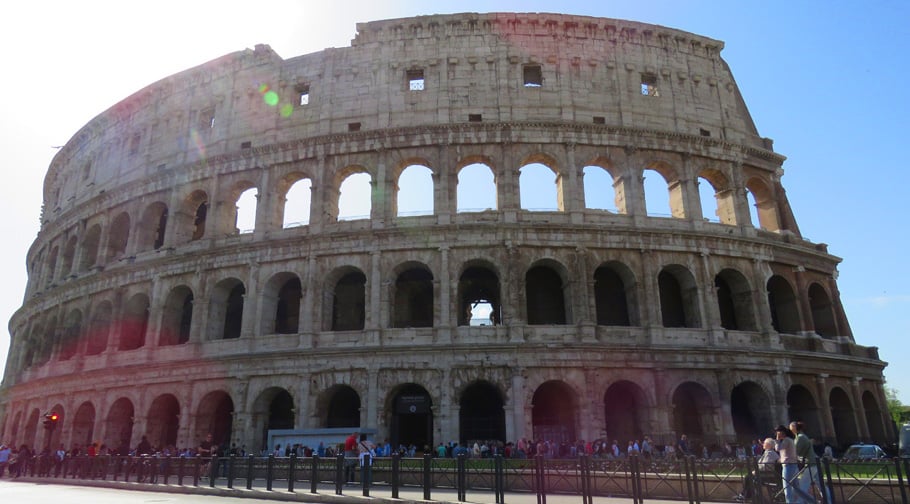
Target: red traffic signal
(50, 420)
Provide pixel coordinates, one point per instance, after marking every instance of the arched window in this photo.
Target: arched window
(90, 246)
(544, 297)
(734, 301)
(297, 204)
(413, 299)
(612, 294)
(177, 317)
(539, 191)
(226, 310)
(822, 311)
(246, 210)
(348, 302)
(355, 197)
(69, 254)
(287, 307)
(678, 297)
(118, 235)
(600, 193)
(415, 191)
(152, 227)
(764, 213)
(784, 306)
(135, 323)
(478, 297)
(476, 188)
(657, 195)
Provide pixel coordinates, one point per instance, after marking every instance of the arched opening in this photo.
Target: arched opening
(784, 306)
(678, 297)
(52, 265)
(734, 301)
(71, 337)
(99, 329)
(84, 424)
(245, 209)
(69, 255)
(751, 411)
(544, 297)
(349, 302)
(478, 297)
(842, 416)
(801, 407)
(31, 429)
(355, 197)
(273, 410)
(480, 414)
(538, 190)
(52, 438)
(874, 418)
(287, 309)
(764, 215)
(413, 299)
(226, 309)
(298, 201)
(415, 191)
(612, 293)
(117, 238)
(553, 412)
(135, 323)
(199, 220)
(177, 318)
(163, 421)
(663, 192)
(341, 407)
(476, 188)
(152, 227)
(90, 246)
(119, 426)
(822, 311)
(411, 421)
(692, 411)
(215, 416)
(624, 411)
(717, 197)
(600, 193)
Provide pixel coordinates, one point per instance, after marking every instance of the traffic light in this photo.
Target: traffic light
(50, 420)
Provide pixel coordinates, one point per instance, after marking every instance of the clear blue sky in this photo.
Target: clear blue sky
(825, 80)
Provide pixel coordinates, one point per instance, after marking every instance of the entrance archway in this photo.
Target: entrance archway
(480, 414)
(624, 413)
(411, 420)
(751, 411)
(553, 412)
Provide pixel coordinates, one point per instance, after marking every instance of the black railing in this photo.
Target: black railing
(635, 478)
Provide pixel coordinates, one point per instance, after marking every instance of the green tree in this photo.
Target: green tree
(895, 408)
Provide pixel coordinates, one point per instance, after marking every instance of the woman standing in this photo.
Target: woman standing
(789, 461)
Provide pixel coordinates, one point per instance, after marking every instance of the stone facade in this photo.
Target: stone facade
(148, 311)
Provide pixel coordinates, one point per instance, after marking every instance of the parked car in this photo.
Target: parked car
(864, 452)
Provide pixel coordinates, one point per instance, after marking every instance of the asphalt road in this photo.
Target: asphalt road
(40, 493)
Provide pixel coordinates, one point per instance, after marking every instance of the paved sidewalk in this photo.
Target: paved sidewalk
(352, 494)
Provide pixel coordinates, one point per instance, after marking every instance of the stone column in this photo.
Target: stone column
(507, 184)
(515, 407)
(571, 181)
(710, 312)
(824, 407)
(377, 306)
(859, 409)
(250, 323)
(444, 321)
(802, 294)
(843, 325)
(265, 206)
(372, 415)
(760, 273)
(649, 291)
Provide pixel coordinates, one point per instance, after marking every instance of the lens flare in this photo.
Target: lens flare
(286, 110)
(270, 98)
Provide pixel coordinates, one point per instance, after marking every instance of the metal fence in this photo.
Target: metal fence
(636, 478)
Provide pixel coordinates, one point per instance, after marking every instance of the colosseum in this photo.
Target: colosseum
(152, 309)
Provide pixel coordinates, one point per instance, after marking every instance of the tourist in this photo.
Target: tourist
(789, 462)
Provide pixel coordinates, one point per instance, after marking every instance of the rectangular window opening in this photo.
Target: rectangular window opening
(354, 126)
(134, 145)
(416, 80)
(475, 118)
(246, 145)
(303, 94)
(533, 76)
(704, 132)
(206, 119)
(649, 85)
(599, 120)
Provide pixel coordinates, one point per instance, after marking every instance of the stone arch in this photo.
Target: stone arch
(215, 415)
(345, 306)
(191, 220)
(671, 185)
(845, 431)
(99, 328)
(554, 408)
(280, 298)
(678, 297)
(717, 194)
(874, 418)
(31, 429)
(822, 311)
(71, 337)
(412, 297)
(177, 317)
(765, 204)
(118, 237)
(163, 421)
(801, 406)
(244, 197)
(692, 410)
(598, 174)
(615, 297)
(273, 409)
(296, 200)
(478, 290)
(750, 407)
(481, 416)
(47, 344)
(409, 408)
(68, 257)
(51, 273)
(354, 184)
(90, 245)
(784, 306)
(152, 227)
(84, 424)
(134, 323)
(339, 407)
(119, 424)
(625, 414)
(734, 301)
(533, 174)
(226, 309)
(546, 284)
(414, 189)
(476, 191)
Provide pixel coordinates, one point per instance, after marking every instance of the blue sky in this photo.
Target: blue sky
(823, 79)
